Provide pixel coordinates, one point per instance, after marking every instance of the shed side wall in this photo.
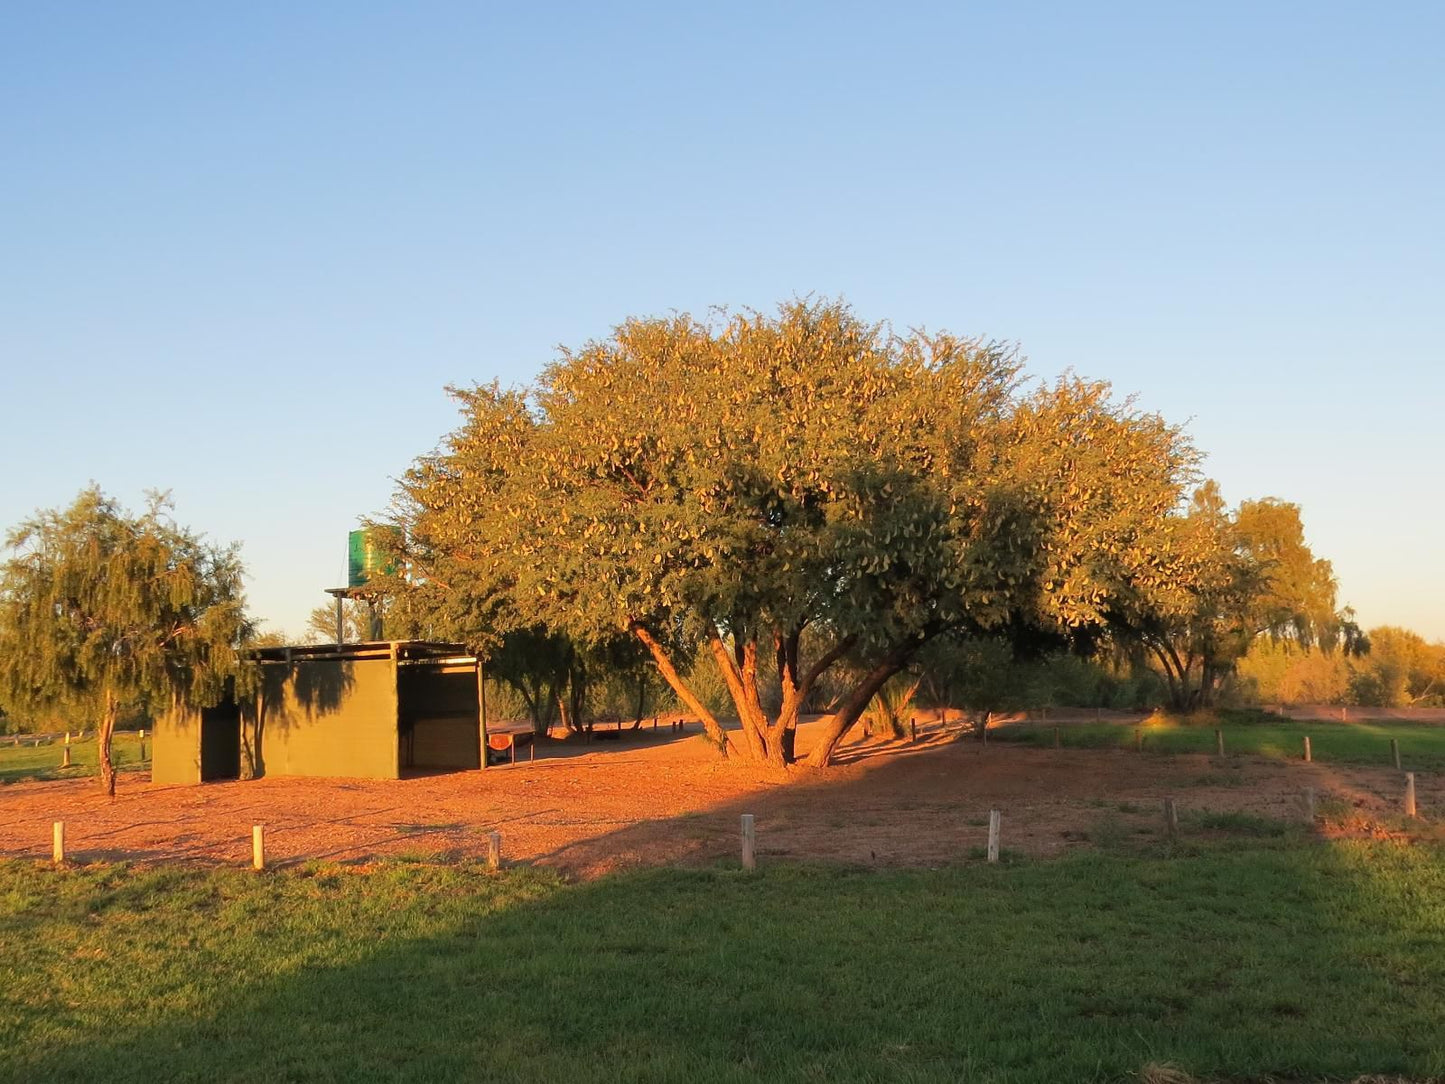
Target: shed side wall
(334, 718)
(176, 747)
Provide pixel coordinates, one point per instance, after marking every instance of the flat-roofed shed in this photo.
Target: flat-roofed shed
(371, 711)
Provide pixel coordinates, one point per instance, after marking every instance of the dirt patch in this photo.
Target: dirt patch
(654, 798)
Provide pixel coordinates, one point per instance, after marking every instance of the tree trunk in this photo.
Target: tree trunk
(796, 688)
(641, 700)
(103, 743)
(750, 712)
(685, 694)
(1176, 674)
(856, 702)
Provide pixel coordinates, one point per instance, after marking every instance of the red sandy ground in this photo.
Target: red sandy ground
(653, 797)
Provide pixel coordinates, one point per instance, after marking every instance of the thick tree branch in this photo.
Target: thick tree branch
(674, 679)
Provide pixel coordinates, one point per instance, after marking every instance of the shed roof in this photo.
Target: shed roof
(401, 650)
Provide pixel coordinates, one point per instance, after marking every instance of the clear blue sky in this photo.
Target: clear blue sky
(244, 247)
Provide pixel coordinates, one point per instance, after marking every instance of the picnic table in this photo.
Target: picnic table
(506, 740)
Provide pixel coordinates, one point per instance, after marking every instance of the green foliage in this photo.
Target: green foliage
(1241, 576)
(1401, 670)
(100, 608)
(889, 710)
(361, 621)
(801, 487)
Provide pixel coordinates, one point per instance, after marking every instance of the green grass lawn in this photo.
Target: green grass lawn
(1422, 745)
(1257, 955)
(28, 762)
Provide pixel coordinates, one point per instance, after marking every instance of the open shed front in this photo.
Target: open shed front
(368, 711)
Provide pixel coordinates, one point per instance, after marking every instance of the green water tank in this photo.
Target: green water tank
(371, 551)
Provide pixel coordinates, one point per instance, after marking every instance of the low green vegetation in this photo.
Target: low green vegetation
(1422, 745)
(28, 761)
(1246, 957)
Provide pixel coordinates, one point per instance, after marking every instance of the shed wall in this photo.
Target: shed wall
(328, 717)
(176, 747)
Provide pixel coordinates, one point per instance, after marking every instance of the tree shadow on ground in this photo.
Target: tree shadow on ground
(1304, 962)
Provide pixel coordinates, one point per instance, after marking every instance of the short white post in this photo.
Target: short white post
(750, 860)
(1307, 749)
(494, 850)
(57, 843)
(993, 825)
(1409, 794)
(1219, 742)
(258, 846)
(1395, 752)
(1309, 805)
(65, 756)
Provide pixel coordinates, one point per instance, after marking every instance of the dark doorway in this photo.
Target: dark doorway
(221, 741)
(437, 717)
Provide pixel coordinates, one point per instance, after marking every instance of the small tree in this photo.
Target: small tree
(99, 607)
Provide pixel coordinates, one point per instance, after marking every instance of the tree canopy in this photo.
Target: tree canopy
(100, 607)
(1244, 574)
(720, 488)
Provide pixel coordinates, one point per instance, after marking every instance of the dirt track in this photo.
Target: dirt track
(654, 798)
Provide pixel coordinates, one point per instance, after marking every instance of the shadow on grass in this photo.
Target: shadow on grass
(1298, 961)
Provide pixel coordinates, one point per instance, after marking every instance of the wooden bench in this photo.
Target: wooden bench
(506, 741)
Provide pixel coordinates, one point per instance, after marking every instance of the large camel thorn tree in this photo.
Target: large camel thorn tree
(100, 608)
(804, 488)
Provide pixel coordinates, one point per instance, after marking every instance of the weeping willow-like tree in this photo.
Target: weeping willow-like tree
(100, 608)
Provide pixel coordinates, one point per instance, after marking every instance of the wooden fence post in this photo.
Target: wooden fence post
(750, 860)
(993, 826)
(1395, 752)
(65, 755)
(1309, 805)
(1171, 818)
(494, 850)
(1307, 749)
(258, 846)
(57, 843)
(1218, 742)
(1409, 794)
